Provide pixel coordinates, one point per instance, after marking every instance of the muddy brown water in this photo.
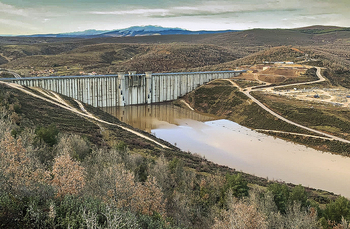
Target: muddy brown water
(228, 143)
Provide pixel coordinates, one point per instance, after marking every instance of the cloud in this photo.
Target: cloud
(40, 12)
(145, 12)
(227, 8)
(25, 20)
(71, 15)
(223, 13)
(206, 8)
(18, 24)
(9, 9)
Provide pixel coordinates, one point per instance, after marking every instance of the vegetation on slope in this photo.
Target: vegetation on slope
(60, 170)
(272, 54)
(322, 29)
(59, 176)
(112, 58)
(328, 118)
(338, 77)
(225, 100)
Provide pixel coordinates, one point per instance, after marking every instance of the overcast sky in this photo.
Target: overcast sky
(56, 16)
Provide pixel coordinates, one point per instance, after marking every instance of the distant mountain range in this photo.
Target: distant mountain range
(130, 32)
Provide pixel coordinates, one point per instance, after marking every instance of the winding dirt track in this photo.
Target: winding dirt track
(321, 79)
(55, 99)
(188, 105)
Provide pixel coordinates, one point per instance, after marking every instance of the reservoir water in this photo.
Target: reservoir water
(228, 143)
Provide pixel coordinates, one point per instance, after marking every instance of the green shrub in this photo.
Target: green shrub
(280, 194)
(47, 134)
(337, 209)
(298, 194)
(152, 222)
(69, 211)
(237, 184)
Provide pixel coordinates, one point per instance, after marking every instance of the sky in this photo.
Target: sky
(22, 17)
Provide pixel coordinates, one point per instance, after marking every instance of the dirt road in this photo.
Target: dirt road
(321, 79)
(55, 99)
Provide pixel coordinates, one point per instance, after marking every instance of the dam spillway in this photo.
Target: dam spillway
(125, 89)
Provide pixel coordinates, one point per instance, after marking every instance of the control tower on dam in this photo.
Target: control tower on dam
(125, 89)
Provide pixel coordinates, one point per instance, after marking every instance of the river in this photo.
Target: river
(228, 143)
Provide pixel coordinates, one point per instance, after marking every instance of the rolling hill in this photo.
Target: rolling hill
(167, 53)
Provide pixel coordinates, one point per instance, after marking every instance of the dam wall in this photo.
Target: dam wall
(125, 89)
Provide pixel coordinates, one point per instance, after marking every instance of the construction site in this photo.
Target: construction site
(278, 74)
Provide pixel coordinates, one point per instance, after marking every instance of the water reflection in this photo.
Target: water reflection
(227, 143)
(150, 117)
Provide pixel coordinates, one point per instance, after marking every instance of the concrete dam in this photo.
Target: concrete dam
(125, 89)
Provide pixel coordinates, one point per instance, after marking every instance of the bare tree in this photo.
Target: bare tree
(69, 176)
(240, 215)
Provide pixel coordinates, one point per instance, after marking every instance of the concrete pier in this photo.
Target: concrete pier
(125, 89)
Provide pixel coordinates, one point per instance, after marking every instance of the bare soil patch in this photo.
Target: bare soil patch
(272, 78)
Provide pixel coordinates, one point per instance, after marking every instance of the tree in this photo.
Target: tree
(298, 194)
(114, 219)
(47, 134)
(337, 209)
(161, 172)
(280, 194)
(240, 215)
(134, 196)
(18, 170)
(296, 217)
(236, 184)
(74, 145)
(68, 175)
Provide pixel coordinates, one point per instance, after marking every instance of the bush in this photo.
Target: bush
(234, 185)
(298, 194)
(237, 185)
(337, 209)
(152, 222)
(280, 194)
(47, 134)
(69, 211)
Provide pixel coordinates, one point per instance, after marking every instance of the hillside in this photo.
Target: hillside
(63, 166)
(166, 53)
(274, 54)
(72, 58)
(318, 29)
(181, 181)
